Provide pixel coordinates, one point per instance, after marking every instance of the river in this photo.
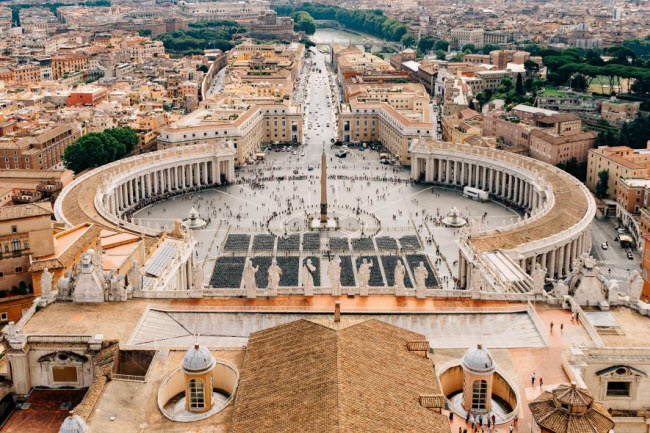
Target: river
(340, 36)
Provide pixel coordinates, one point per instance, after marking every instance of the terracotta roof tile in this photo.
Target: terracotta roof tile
(304, 376)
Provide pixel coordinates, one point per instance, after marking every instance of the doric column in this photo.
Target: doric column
(462, 173)
(560, 261)
(551, 267)
(448, 171)
(567, 257)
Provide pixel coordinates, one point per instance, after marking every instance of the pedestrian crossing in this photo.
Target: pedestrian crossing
(606, 265)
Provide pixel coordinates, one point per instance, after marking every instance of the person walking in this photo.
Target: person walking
(541, 382)
(532, 379)
(561, 328)
(515, 420)
(511, 428)
(551, 327)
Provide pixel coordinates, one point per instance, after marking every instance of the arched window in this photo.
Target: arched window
(15, 245)
(479, 394)
(197, 399)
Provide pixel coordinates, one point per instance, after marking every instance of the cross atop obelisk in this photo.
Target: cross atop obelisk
(323, 189)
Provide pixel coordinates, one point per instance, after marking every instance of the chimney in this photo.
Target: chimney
(337, 311)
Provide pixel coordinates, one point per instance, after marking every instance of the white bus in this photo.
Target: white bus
(475, 193)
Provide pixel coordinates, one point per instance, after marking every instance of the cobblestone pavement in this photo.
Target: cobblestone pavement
(360, 181)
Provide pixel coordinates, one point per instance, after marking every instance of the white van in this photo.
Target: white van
(475, 193)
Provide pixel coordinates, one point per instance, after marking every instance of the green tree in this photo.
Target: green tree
(408, 40)
(602, 185)
(441, 45)
(144, 32)
(531, 67)
(579, 82)
(575, 168)
(441, 55)
(469, 47)
(98, 148)
(308, 43)
(519, 86)
(303, 22)
(488, 48)
(426, 44)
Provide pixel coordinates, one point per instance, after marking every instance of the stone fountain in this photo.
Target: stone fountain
(193, 221)
(453, 219)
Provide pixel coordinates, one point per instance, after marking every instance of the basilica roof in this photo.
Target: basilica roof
(306, 376)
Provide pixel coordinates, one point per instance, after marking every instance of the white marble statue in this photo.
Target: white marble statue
(248, 278)
(274, 278)
(46, 283)
(334, 274)
(539, 278)
(9, 330)
(364, 276)
(400, 273)
(635, 285)
(308, 278)
(421, 275)
(64, 287)
(197, 278)
(473, 228)
(135, 276)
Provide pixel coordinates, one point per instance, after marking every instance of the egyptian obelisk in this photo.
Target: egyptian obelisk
(323, 190)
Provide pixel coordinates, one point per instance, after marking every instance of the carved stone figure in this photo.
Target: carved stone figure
(9, 330)
(539, 278)
(334, 274)
(275, 272)
(116, 285)
(473, 228)
(421, 275)
(89, 284)
(364, 276)
(135, 276)
(635, 284)
(400, 273)
(46, 283)
(197, 278)
(249, 279)
(308, 278)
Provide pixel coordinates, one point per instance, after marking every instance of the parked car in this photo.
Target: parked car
(604, 245)
(310, 168)
(621, 231)
(630, 255)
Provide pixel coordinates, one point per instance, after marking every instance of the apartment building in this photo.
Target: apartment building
(25, 230)
(243, 126)
(456, 128)
(36, 146)
(549, 136)
(621, 162)
(393, 114)
(68, 63)
(616, 112)
(477, 37)
(632, 194)
(86, 96)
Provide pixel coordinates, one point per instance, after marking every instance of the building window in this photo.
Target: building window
(618, 389)
(4, 317)
(14, 229)
(479, 394)
(196, 394)
(15, 245)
